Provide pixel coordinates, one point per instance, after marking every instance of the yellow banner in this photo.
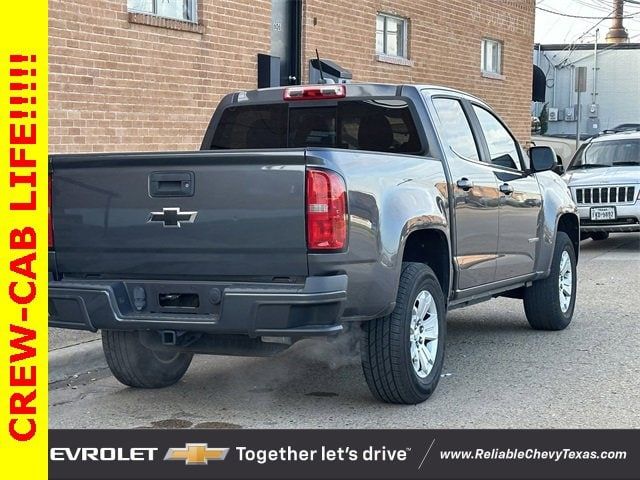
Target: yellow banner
(23, 239)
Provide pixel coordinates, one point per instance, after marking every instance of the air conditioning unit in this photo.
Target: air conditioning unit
(570, 114)
(553, 114)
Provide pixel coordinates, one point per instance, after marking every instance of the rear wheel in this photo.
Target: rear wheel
(597, 236)
(403, 353)
(135, 365)
(549, 303)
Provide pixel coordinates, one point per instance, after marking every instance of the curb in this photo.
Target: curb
(74, 359)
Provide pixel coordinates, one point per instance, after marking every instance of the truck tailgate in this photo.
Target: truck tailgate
(170, 215)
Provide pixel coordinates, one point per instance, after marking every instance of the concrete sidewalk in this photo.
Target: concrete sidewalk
(73, 352)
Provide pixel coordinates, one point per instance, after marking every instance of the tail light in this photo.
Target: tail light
(326, 211)
(315, 92)
(50, 221)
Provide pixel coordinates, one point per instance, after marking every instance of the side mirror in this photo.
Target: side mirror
(542, 158)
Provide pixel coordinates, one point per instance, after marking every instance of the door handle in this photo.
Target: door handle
(465, 184)
(171, 184)
(506, 189)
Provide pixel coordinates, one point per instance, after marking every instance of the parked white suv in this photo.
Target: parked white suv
(604, 179)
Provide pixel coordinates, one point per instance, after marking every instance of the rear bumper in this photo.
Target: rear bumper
(627, 219)
(310, 309)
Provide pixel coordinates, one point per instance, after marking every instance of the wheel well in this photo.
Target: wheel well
(430, 247)
(569, 224)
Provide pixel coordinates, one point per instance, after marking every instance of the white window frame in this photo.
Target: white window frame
(154, 10)
(497, 69)
(404, 38)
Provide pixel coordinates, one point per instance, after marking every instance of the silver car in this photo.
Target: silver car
(604, 179)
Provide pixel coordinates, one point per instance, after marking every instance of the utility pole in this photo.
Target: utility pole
(594, 94)
(581, 86)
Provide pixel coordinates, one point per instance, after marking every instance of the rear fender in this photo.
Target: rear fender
(390, 197)
(400, 211)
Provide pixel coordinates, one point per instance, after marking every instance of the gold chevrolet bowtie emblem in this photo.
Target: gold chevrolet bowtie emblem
(196, 454)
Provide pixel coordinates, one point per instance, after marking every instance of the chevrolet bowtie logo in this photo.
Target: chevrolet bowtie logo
(172, 217)
(196, 454)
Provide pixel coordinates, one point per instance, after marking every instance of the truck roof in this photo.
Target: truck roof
(616, 136)
(353, 90)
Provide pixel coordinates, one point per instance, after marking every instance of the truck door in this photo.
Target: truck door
(476, 197)
(520, 198)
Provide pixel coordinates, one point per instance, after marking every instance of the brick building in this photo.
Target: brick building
(146, 74)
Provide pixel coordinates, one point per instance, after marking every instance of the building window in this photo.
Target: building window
(491, 57)
(177, 9)
(391, 35)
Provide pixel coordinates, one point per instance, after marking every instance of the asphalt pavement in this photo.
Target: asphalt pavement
(498, 372)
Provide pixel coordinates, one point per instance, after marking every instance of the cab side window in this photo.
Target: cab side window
(503, 149)
(456, 128)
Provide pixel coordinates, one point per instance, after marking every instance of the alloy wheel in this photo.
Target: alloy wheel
(423, 334)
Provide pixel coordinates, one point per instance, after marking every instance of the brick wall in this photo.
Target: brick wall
(444, 46)
(119, 85)
(120, 81)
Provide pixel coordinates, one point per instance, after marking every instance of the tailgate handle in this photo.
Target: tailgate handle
(171, 184)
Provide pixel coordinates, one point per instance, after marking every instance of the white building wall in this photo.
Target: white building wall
(617, 92)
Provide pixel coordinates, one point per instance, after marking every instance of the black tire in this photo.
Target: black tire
(542, 300)
(135, 365)
(598, 236)
(386, 356)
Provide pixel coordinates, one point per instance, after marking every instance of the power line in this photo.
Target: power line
(595, 6)
(602, 50)
(581, 16)
(570, 48)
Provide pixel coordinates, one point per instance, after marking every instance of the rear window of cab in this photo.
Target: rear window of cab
(381, 125)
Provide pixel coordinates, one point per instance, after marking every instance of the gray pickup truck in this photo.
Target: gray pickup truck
(309, 210)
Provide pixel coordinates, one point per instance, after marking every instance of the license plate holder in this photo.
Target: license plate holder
(599, 214)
